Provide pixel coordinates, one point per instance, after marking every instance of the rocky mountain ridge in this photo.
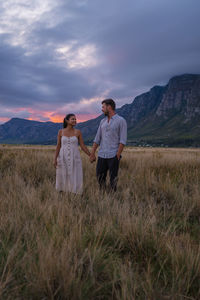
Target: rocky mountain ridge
(165, 115)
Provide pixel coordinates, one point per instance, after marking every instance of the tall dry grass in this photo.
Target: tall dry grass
(140, 243)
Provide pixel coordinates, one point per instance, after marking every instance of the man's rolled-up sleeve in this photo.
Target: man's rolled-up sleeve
(97, 139)
(123, 132)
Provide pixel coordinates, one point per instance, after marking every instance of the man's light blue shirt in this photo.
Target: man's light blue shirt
(110, 135)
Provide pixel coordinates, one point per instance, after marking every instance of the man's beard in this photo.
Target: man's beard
(106, 113)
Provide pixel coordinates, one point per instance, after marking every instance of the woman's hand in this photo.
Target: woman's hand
(55, 163)
(92, 157)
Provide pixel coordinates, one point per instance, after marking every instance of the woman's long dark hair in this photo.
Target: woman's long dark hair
(67, 119)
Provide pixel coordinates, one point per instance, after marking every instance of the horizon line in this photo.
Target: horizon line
(46, 121)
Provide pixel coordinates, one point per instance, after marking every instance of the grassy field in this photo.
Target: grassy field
(140, 243)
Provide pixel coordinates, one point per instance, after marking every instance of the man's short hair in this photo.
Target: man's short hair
(110, 102)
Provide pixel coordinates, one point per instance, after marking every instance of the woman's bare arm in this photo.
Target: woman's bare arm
(57, 148)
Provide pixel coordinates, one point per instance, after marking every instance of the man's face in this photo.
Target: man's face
(105, 109)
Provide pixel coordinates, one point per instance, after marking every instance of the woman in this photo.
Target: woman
(69, 173)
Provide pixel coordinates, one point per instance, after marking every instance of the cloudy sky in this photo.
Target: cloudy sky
(66, 56)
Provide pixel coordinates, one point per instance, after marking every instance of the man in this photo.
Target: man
(111, 137)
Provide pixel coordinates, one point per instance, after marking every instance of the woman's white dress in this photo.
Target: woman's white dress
(69, 173)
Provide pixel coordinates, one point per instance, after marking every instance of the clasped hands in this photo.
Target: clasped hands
(92, 157)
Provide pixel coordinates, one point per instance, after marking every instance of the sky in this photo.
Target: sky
(66, 56)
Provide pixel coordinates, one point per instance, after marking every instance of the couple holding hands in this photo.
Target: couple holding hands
(111, 137)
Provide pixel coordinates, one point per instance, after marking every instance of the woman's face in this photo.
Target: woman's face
(72, 120)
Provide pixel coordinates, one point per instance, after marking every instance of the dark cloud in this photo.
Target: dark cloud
(72, 50)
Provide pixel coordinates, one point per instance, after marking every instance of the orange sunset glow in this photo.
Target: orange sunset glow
(57, 118)
(44, 116)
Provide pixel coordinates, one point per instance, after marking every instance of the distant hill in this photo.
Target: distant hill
(166, 115)
(21, 131)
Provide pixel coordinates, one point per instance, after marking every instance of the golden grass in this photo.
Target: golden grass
(140, 243)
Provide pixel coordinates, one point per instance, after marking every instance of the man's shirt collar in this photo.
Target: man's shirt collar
(113, 117)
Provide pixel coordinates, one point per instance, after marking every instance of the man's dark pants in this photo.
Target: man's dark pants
(103, 166)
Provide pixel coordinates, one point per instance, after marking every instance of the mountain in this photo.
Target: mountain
(174, 115)
(21, 131)
(166, 115)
